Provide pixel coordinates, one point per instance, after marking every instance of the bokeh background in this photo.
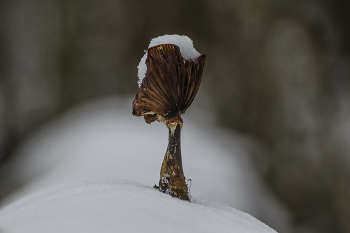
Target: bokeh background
(277, 72)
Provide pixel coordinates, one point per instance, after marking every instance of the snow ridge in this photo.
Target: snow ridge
(123, 206)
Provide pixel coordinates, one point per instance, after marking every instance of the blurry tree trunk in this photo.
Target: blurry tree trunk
(6, 139)
(282, 69)
(100, 40)
(33, 30)
(30, 82)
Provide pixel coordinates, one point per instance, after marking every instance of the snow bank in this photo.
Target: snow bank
(122, 206)
(185, 44)
(101, 140)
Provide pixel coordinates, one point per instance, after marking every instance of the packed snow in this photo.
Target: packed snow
(101, 141)
(123, 206)
(185, 44)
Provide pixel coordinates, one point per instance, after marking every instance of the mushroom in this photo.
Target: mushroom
(169, 87)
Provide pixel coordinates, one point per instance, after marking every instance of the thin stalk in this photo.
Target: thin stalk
(172, 179)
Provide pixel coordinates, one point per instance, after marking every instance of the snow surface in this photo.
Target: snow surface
(185, 44)
(101, 140)
(122, 206)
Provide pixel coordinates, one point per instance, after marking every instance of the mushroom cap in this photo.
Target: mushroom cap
(170, 84)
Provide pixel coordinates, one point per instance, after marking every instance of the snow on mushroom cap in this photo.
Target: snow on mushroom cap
(185, 44)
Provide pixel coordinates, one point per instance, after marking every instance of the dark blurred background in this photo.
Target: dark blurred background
(277, 71)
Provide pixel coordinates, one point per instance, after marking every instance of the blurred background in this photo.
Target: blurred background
(277, 72)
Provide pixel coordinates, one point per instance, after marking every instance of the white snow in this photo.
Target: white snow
(101, 141)
(142, 69)
(122, 206)
(185, 44)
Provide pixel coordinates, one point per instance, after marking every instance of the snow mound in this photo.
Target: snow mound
(185, 44)
(100, 140)
(122, 206)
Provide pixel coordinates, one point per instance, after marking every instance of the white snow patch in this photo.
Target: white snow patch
(185, 44)
(123, 206)
(142, 68)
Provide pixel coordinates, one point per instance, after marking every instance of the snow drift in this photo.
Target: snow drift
(121, 206)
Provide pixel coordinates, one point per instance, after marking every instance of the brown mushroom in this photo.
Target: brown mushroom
(167, 90)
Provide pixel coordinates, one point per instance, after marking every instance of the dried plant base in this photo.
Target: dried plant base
(172, 180)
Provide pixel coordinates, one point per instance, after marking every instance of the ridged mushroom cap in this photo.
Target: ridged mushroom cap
(169, 86)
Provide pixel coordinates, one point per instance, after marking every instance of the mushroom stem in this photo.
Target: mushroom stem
(172, 179)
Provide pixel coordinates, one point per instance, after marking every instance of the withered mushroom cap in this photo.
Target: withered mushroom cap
(169, 86)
